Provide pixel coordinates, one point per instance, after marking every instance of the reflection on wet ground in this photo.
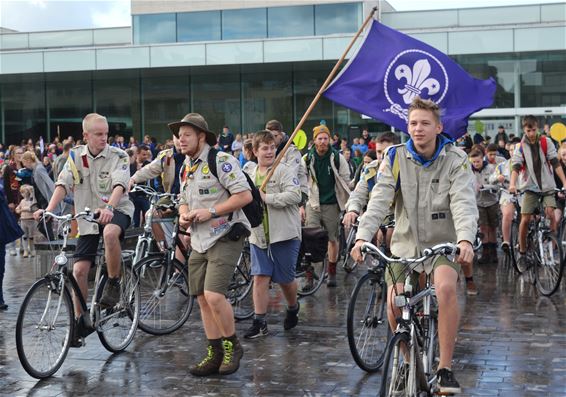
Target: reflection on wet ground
(512, 343)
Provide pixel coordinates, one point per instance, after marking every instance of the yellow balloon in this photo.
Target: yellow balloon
(300, 139)
(558, 132)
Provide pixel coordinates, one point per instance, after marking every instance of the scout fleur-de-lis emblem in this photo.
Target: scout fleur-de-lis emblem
(416, 80)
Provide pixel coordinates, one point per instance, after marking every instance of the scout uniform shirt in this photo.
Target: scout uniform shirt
(200, 189)
(94, 178)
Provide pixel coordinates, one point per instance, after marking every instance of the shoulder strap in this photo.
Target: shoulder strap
(544, 145)
(394, 162)
(212, 161)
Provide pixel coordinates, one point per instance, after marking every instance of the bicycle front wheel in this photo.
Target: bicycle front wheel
(395, 375)
(165, 303)
(367, 324)
(548, 269)
(116, 327)
(44, 328)
(310, 276)
(514, 249)
(240, 289)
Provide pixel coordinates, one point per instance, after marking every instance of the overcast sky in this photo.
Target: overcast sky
(39, 15)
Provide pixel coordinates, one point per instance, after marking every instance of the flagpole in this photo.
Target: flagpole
(330, 77)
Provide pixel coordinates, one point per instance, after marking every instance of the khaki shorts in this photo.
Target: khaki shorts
(328, 218)
(213, 270)
(489, 216)
(399, 273)
(531, 200)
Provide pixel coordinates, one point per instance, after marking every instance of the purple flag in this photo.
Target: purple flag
(391, 68)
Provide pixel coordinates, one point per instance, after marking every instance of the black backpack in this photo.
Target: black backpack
(253, 210)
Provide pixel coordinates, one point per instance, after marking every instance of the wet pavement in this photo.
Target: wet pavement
(512, 342)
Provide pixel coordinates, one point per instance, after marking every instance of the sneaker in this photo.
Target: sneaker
(291, 318)
(471, 288)
(25, 255)
(13, 252)
(3, 306)
(505, 247)
(210, 364)
(257, 330)
(233, 353)
(522, 262)
(110, 294)
(447, 383)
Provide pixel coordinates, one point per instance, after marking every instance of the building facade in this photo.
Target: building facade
(240, 63)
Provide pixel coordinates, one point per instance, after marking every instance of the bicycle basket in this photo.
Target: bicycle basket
(315, 242)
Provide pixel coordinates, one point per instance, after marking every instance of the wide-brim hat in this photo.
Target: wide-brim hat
(195, 120)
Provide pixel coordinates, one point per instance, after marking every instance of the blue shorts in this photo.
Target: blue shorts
(278, 261)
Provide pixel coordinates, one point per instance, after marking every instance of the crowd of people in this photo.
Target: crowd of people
(427, 185)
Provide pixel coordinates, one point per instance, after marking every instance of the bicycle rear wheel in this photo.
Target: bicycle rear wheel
(116, 327)
(395, 375)
(240, 289)
(44, 327)
(549, 268)
(310, 275)
(367, 325)
(165, 303)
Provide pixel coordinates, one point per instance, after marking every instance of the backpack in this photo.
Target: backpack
(253, 210)
(543, 146)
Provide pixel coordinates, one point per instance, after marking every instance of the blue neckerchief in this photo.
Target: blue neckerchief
(441, 141)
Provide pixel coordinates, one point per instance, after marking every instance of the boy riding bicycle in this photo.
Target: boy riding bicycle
(537, 157)
(434, 201)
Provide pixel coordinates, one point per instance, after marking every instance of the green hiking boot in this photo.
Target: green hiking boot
(210, 364)
(233, 353)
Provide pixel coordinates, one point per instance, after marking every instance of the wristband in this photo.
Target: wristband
(109, 207)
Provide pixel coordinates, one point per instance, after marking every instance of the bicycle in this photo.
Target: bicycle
(411, 355)
(164, 289)
(544, 251)
(348, 264)
(312, 262)
(46, 324)
(367, 325)
(146, 237)
(240, 288)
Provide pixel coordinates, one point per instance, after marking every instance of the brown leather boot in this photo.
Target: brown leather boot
(233, 353)
(210, 364)
(485, 255)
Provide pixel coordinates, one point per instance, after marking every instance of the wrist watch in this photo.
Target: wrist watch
(212, 211)
(109, 207)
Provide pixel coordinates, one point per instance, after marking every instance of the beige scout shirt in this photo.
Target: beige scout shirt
(94, 178)
(163, 165)
(201, 189)
(435, 204)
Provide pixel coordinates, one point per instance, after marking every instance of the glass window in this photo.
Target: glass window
(69, 99)
(216, 95)
(543, 78)
(198, 26)
(117, 97)
(267, 95)
(165, 99)
(290, 21)
(154, 28)
(23, 105)
(248, 23)
(337, 18)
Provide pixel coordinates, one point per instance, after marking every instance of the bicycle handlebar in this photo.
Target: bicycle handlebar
(439, 249)
(87, 214)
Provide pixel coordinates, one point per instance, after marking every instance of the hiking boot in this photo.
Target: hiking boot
(309, 285)
(485, 255)
(522, 263)
(447, 383)
(471, 288)
(110, 294)
(291, 318)
(233, 352)
(257, 330)
(210, 364)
